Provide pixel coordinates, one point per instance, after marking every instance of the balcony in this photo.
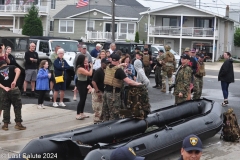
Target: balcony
(21, 8)
(96, 35)
(176, 31)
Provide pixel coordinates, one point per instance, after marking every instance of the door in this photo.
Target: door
(169, 42)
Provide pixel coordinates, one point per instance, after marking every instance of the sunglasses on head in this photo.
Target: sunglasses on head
(193, 151)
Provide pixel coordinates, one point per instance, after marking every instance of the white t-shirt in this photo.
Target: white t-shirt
(111, 51)
(97, 64)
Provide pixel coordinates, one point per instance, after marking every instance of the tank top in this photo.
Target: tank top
(2, 58)
(82, 77)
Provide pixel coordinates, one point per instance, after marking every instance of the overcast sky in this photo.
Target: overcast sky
(216, 6)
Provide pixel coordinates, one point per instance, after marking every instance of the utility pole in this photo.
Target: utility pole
(199, 3)
(113, 20)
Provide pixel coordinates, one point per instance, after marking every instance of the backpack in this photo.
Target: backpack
(230, 130)
(138, 105)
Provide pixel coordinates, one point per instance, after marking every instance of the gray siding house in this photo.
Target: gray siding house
(93, 22)
(184, 26)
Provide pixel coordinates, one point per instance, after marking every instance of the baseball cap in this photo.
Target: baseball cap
(161, 50)
(193, 50)
(2, 62)
(98, 45)
(187, 49)
(115, 57)
(192, 142)
(140, 53)
(105, 60)
(84, 46)
(201, 55)
(79, 46)
(185, 56)
(124, 153)
(145, 49)
(137, 48)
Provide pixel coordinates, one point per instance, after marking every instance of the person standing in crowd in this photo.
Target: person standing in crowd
(3, 54)
(149, 52)
(42, 86)
(96, 51)
(83, 73)
(60, 67)
(182, 80)
(31, 66)
(97, 92)
(112, 48)
(11, 95)
(198, 78)
(193, 54)
(53, 57)
(141, 76)
(226, 76)
(97, 63)
(108, 54)
(10, 56)
(147, 61)
(113, 80)
(158, 68)
(168, 62)
(124, 153)
(191, 148)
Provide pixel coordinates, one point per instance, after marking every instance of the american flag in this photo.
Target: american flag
(82, 3)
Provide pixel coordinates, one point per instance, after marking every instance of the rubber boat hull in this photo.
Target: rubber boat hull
(201, 117)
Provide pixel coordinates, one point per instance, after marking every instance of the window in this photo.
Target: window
(42, 45)
(108, 27)
(90, 25)
(127, 28)
(169, 21)
(204, 22)
(51, 25)
(53, 4)
(66, 26)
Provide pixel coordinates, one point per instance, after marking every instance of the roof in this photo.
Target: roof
(128, 3)
(120, 11)
(4, 34)
(192, 7)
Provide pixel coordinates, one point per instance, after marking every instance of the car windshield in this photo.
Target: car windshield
(16, 44)
(68, 46)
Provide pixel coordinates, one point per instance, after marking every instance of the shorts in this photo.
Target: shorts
(30, 75)
(60, 86)
(52, 79)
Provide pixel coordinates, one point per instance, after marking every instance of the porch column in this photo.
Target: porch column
(214, 39)
(14, 22)
(180, 41)
(148, 28)
(18, 23)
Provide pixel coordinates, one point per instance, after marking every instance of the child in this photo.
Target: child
(42, 82)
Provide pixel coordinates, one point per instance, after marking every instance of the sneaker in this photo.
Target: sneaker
(155, 86)
(74, 98)
(39, 106)
(43, 107)
(20, 127)
(5, 127)
(55, 104)
(24, 94)
(62, 104)
(51, 93)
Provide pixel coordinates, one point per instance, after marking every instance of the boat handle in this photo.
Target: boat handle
(208, 122)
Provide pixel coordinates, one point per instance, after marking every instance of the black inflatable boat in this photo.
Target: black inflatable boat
(166, 128)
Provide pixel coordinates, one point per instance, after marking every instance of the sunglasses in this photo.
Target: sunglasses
(193, 151)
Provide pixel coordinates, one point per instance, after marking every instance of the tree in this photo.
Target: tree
(137, 37)
(143, 41)
(237, 37)
(32, 23)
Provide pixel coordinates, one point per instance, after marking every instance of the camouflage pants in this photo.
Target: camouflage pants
(97, 104)
(158, 76)
(11, 97)
(180, 99)
(198, 85)
(111, 106)
(147, 71)
(166, 79)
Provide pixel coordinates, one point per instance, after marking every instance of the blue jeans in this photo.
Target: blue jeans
(225, 86)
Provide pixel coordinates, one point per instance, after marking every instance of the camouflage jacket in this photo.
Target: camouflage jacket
(183, 80)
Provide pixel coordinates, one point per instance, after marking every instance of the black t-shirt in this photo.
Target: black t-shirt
(28, 63)
(7, 75)
(12, 60)
(98, 77)
(119, 74)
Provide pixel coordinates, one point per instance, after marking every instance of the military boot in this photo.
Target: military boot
(20, 126)
(5, 127)
(156, 86)
(163, 90)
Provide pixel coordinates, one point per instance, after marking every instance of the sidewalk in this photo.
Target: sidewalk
(217, 66)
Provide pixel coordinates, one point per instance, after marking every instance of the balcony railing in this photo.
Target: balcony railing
(21, 8)
(96, 35)
(186, 31)
(19, 31)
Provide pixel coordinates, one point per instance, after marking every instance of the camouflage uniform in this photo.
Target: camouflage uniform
(183, 80)
(169, 64)
(198, 81)
(158, 75)
(97, 104)
(11, 97)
